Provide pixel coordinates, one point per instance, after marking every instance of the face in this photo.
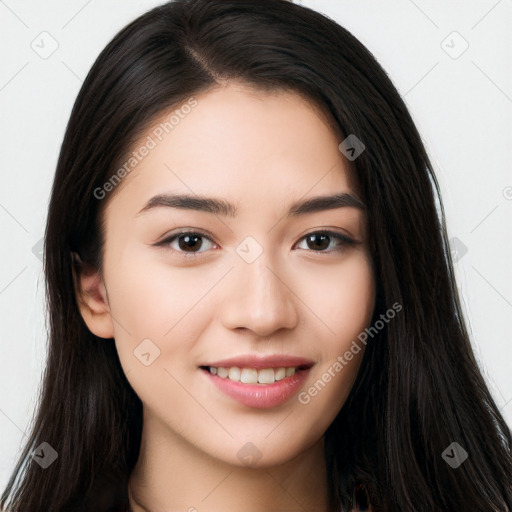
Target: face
(185, 288)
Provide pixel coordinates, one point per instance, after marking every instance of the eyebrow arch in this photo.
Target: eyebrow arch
(222, 207)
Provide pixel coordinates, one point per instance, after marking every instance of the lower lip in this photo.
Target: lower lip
(261, 396)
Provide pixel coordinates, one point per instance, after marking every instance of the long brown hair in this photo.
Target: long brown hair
(419, 388)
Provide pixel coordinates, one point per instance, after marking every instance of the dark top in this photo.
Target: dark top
(111, 495)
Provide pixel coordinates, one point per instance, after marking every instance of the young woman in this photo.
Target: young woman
(251, 296)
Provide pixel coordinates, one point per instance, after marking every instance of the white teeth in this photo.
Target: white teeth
(251, 375)
(222, 372)
(234, 373)
(266, 376)
(279, 374)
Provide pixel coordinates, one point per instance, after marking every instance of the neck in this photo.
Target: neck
(171, 475)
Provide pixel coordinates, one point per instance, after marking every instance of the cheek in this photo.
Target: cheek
(155, 311)
(342, 297)
(150, 297)
(344, 300)
(159, 310)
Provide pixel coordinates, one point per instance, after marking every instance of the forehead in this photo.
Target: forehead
(238, 142)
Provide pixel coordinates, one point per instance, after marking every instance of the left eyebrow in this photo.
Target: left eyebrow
(320, 203)
(221, 207)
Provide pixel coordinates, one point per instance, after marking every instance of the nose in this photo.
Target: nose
(258, 297)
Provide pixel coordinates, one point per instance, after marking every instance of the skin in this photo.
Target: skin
(261, 151)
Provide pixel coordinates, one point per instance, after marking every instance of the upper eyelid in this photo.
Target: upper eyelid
(330, 232)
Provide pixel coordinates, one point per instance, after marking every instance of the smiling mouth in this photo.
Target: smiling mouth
(248, 375)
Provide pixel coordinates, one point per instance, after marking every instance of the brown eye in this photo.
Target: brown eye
(188, 242)
(319, 241)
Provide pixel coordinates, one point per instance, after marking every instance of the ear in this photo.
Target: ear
(92, 299)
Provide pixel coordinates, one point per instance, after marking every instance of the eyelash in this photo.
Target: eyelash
(344, 242)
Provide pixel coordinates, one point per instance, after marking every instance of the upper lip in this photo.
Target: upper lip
(260, 362)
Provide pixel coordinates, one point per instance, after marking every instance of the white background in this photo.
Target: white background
(462, 107)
